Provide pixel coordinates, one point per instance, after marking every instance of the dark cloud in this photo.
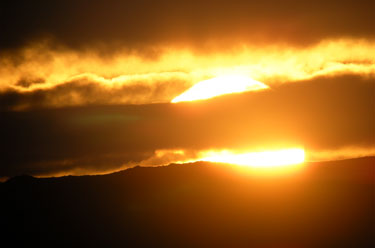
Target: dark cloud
(47, 141)
(141, 24)
(321, 113)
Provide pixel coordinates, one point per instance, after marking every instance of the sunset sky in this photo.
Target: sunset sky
(87, 87)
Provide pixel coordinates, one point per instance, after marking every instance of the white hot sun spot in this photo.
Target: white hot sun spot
(264, 159)
(219, 86)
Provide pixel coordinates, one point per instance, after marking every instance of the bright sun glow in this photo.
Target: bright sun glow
(261, 160)
(219, 86)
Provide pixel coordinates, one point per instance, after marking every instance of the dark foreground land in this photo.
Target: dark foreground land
(329, 204)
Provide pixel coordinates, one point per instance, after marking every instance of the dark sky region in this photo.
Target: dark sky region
(145, 23)
(85, 86)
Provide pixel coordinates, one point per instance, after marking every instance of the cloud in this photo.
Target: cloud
(94, 90)
(342, 153)
(319, 114)
(178, 156)
(203, 25)
(41, 76)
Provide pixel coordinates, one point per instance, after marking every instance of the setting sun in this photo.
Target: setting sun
(219, 86)
(262, 160)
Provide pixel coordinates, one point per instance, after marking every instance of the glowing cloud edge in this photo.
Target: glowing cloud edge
(218, 86)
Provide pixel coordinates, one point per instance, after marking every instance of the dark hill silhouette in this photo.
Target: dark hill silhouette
(329, 204)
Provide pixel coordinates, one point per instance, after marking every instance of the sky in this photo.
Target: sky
(86, 87)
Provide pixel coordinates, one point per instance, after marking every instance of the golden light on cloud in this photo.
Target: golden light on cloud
(60, 78)
(46, 68)
(219, 86)
(267, 162)
(262, 160)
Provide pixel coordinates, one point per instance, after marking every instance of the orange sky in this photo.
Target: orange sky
(91, 93)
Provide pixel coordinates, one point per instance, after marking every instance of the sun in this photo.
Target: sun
(270, 161)
(219, 86)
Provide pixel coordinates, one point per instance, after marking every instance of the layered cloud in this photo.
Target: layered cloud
(321, 114)
(90, 89)
(40, 76)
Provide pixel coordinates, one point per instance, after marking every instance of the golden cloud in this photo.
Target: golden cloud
(40, 68)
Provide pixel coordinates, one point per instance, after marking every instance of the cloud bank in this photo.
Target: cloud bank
(43, 77)
(320, 114)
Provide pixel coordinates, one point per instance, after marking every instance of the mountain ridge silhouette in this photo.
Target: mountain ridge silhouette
(328, 204)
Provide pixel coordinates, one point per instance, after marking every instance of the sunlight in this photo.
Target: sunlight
(259, 160)
(219, 86)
